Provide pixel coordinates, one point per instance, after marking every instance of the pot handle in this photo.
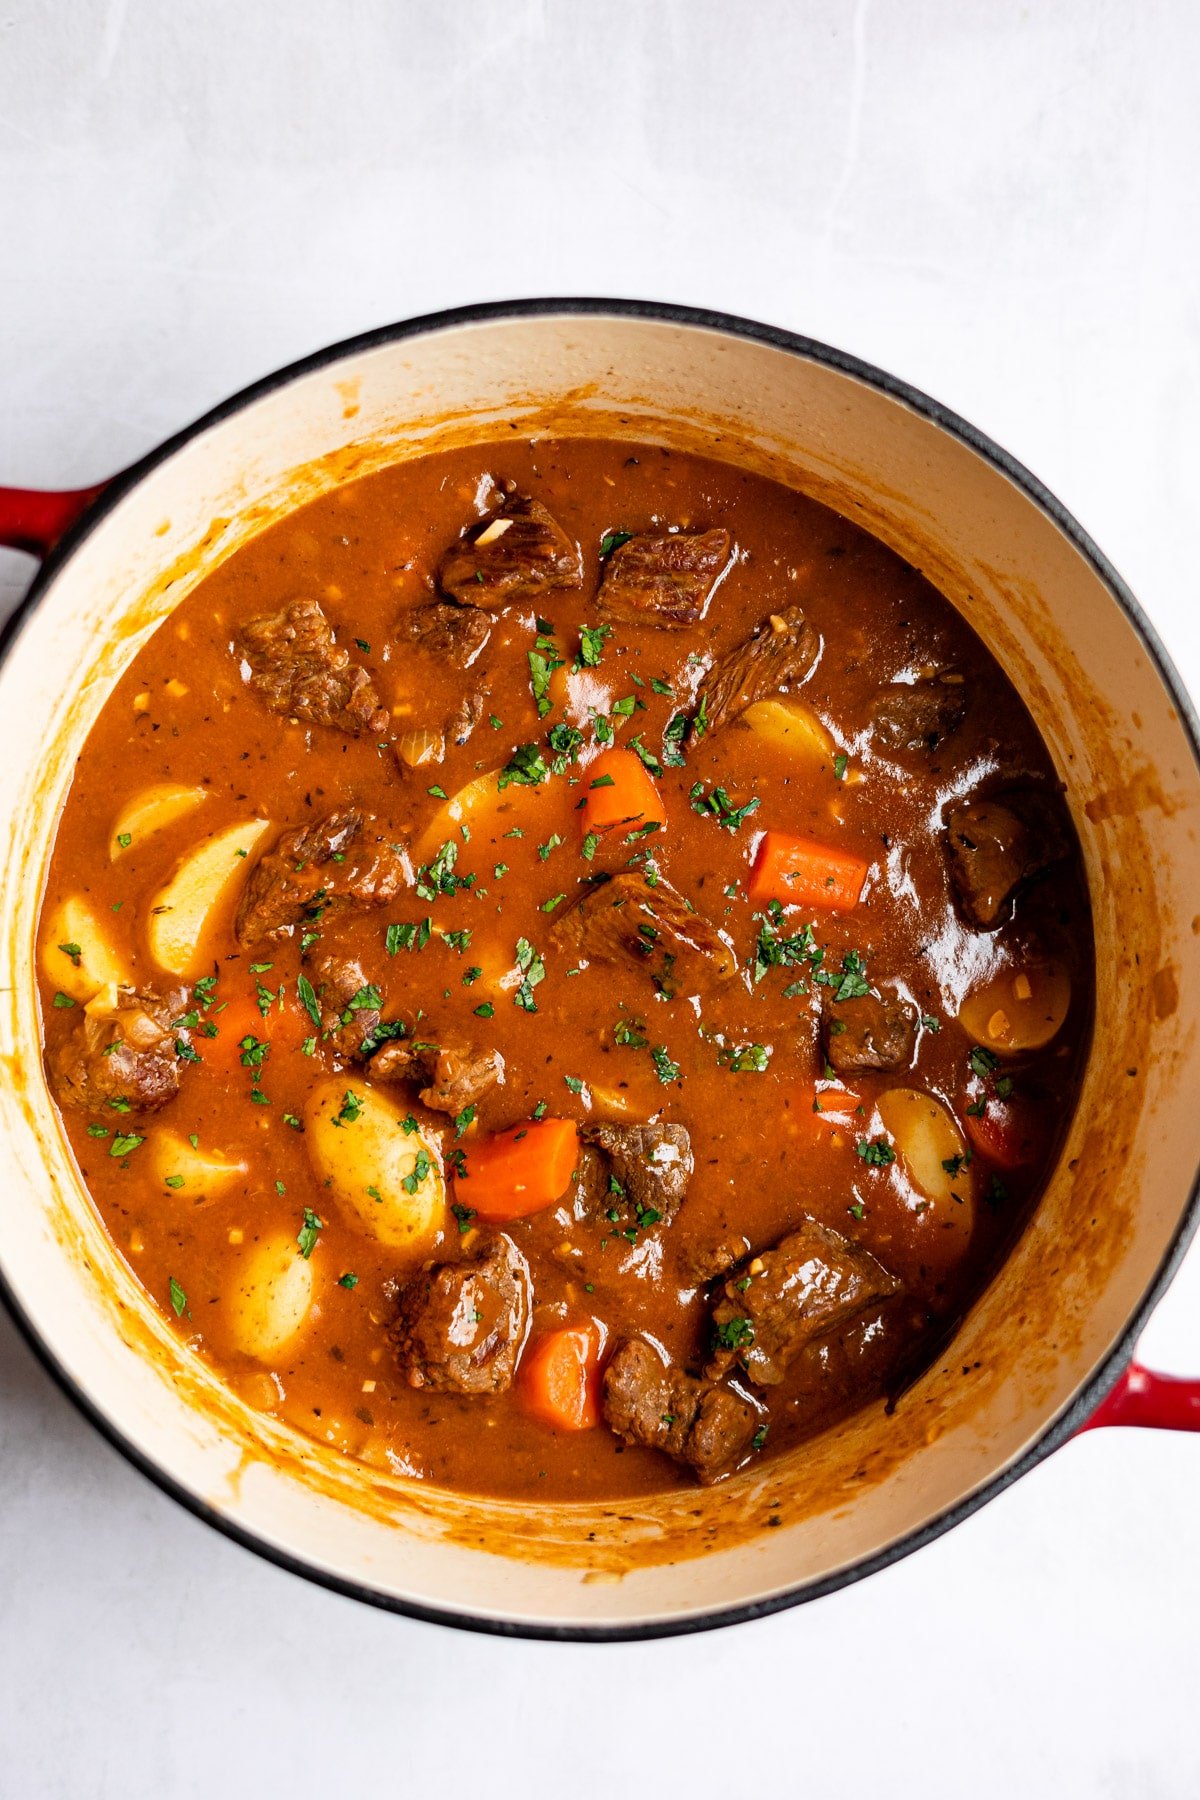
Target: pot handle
(33, 519)
(1143, 1397)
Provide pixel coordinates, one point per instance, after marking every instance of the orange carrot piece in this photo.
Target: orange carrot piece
(837, 1103)
(284, 1028)
(519, 1171)
(560, 1378)
(800, 872)
(620, 792)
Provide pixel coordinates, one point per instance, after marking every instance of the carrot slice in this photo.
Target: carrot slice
(838, 1104)
(521, 1170)
(560, 1378)
(620, 792)
(800, 872)
(284, 1028)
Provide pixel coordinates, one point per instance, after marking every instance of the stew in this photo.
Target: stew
(565, 967)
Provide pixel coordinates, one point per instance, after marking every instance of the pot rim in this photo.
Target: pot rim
(1092, 1392)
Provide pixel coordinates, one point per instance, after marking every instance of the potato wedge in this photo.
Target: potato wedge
(388, 1179)
(271, 1300)
(1018, 1010)
(932, 1153)
(183, 913)
(487, 812)
(193, 1174)
(793, 727)
(149, 811)
(78, 954)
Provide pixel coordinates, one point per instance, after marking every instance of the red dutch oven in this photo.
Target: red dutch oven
(1045, 1352)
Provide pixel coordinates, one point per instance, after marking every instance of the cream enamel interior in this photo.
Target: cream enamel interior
(1113, 1207)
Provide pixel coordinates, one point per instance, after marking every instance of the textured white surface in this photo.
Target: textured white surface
(996, 201)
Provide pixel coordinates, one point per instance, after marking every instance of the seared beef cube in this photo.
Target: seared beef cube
(349, 1009)
(652, 1163)
(705, 1262)
(337, 864)
(777, 657)
(664, 578)
(993, 846)
(627, 918)
(136, 1052)
(519, 554)
(453, 634)
(453, 1078)
(918, 715)
(869, 1032)
(773, 1305)
(708, 1427)
(462, 1326)
(299, 670)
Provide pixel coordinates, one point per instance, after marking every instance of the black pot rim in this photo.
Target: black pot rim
(1103, 1379)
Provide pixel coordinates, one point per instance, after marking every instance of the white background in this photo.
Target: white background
(998, 202)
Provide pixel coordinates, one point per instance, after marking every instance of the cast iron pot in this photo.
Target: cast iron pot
(1051, 1340)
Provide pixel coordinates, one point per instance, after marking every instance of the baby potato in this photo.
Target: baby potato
(149, 811)
(793, 727)
(193, 1174)
(1021, 1009)
(389, 1179)
(464, 807)
(271, 1300)
(932, 1152)
(183, 912)
(78, 955)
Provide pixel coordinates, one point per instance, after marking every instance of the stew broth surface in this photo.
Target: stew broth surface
(742, 1064)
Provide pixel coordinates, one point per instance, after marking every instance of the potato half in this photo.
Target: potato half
(183, 913)
(1020, 1009)
(192, 1173)
(271, 1300)
(387, 1177)
(932, 1152)
(151, 810)
(78, 954)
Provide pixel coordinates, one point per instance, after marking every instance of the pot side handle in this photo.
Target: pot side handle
(1143, 1397)
(33, 519)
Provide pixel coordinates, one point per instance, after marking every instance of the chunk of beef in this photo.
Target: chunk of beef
(774, 1304)
(918, 715)
(453, 634)
(520, 553)
(994, 845)
(707, 1426)
(299, 670)
(461, 1326)
(873, 1031)
(627, 918)
(706, 1261)
(136, 1052)
(349, 1004)
(652, 1162)
(664, 578)
(454, 1078)
(340, 863)
(778, 656)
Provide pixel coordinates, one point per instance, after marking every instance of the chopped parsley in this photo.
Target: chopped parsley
(877, 1153)
(178, 1298)
(718, 805)
(307, 1235)
(734, 1334)
(308, 999)
(526, 767)
(533, 970)
(612, 540)
(666, 1070)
